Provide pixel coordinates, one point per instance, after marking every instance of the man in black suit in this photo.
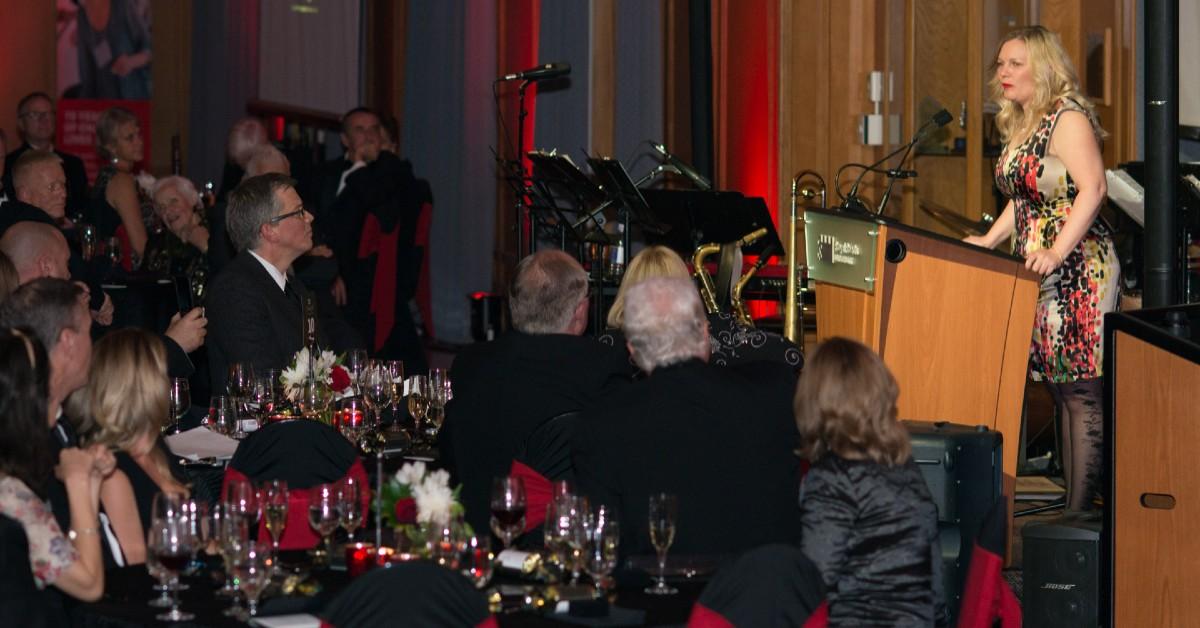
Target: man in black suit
(257, 310)
(371, 186)
(719, 438)
(505, 388)
(35, 121)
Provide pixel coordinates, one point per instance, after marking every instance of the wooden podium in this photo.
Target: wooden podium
(1152, 429)
(952, 321)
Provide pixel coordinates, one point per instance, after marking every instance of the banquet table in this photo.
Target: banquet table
(128, 590)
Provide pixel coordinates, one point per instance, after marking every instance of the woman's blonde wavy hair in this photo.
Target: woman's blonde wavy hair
(846, 404)
(1054, 80)
(654, 261)
(126, 396)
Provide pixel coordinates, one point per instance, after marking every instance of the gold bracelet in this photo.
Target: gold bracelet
(74, 534)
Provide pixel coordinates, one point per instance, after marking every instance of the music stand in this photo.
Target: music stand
(696, 217)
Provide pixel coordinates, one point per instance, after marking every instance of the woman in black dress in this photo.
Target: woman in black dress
(867, 519)
(127, 401)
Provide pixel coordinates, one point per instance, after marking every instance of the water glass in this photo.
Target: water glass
(323, 516)
(349, 505)
(253, 565)
(477, 560)
(356, 361)
(604, 538)
(222, 415)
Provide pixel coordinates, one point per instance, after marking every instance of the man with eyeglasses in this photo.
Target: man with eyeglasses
(259, 313)
(35, 122)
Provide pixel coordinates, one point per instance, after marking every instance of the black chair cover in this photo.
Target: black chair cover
(547, 449)
(21, 604)
(773, 585)
(301, 452)
(408, 594)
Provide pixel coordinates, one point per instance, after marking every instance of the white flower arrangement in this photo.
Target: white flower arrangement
(323, 364)
(416, 495)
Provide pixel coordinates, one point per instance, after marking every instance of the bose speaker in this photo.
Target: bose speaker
(1061, 564)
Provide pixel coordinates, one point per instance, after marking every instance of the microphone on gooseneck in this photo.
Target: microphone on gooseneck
(540, 73)
(686, 170)
(939, 119)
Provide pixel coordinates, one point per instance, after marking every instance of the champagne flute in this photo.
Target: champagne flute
(418, 401)
(349, 505)
(274, 498)
(323, 516)
(87, 241)
(253, 566)
(439, 385)
(180, 403)
(664, 511)
(170, 542)
(508, 508)
(395, 374)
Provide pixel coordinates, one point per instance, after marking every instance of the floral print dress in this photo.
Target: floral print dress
(1068, 328)
(50, 553)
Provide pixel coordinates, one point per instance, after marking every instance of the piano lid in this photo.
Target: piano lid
(695, 217)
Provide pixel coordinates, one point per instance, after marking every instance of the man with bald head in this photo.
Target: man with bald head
(37, 250)
(506, 389)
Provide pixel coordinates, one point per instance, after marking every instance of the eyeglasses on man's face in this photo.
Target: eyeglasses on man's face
(38, 115)
(282, 217)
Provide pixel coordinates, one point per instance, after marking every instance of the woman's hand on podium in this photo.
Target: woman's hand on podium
(1043, 261)
(977, 241)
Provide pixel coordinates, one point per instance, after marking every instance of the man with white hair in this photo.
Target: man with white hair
(544, 368)
(719, 438)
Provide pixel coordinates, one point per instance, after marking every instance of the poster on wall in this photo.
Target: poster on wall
(104, 58)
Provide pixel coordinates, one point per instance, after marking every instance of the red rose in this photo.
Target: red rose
(340, 379)
(406, 510)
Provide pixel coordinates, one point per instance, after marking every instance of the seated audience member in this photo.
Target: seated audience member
(41, 197)
(181, 249)
(72, 563)
(719, 438)
(36, 122)
(256, 307)
(506, 388)
(867, 519)
(732, 342)
(124, 406)
(245, 135)
(119, 207)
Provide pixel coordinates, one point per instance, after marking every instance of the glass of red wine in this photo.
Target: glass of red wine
(508, 508)
(169, 546)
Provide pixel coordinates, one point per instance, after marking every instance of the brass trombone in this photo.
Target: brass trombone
(793, 312)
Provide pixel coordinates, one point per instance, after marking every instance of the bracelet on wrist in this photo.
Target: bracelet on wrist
(74, 534)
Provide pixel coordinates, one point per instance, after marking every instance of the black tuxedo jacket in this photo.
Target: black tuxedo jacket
(251, 320)
(721, 438)
(505, 388)
(77, 181)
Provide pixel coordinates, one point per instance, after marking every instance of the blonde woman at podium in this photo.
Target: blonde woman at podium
(1053, 175)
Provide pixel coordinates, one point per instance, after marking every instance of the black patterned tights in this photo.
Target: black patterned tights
(1081, 418)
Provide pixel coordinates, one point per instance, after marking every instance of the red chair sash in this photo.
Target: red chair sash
(819, 618)
(383, 290)
(705, 617)
(298, 534)
(986, 594)
(537, 494)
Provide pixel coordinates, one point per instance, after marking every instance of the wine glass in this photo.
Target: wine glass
(349, 502)
(169, 541)
(376, 386)
(180, 403)
(253, 566)
(222, 418)
(239, 386)
(273, 495)
(112, 249)
(323, 516)
(508, 508)
(418, 401)
(356, 360)
(240, 501)
(604, 537)
(196, 512)
(476, 563)
(350, 417)
(664, 511)
(87, 241)
(265, 393)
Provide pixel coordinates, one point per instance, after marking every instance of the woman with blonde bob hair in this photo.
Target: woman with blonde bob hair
(1052, 172)
(867, 519)
(732, 342)
(127, 400)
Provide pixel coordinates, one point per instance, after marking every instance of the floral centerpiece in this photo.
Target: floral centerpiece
(415, 500)
(323, 367)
